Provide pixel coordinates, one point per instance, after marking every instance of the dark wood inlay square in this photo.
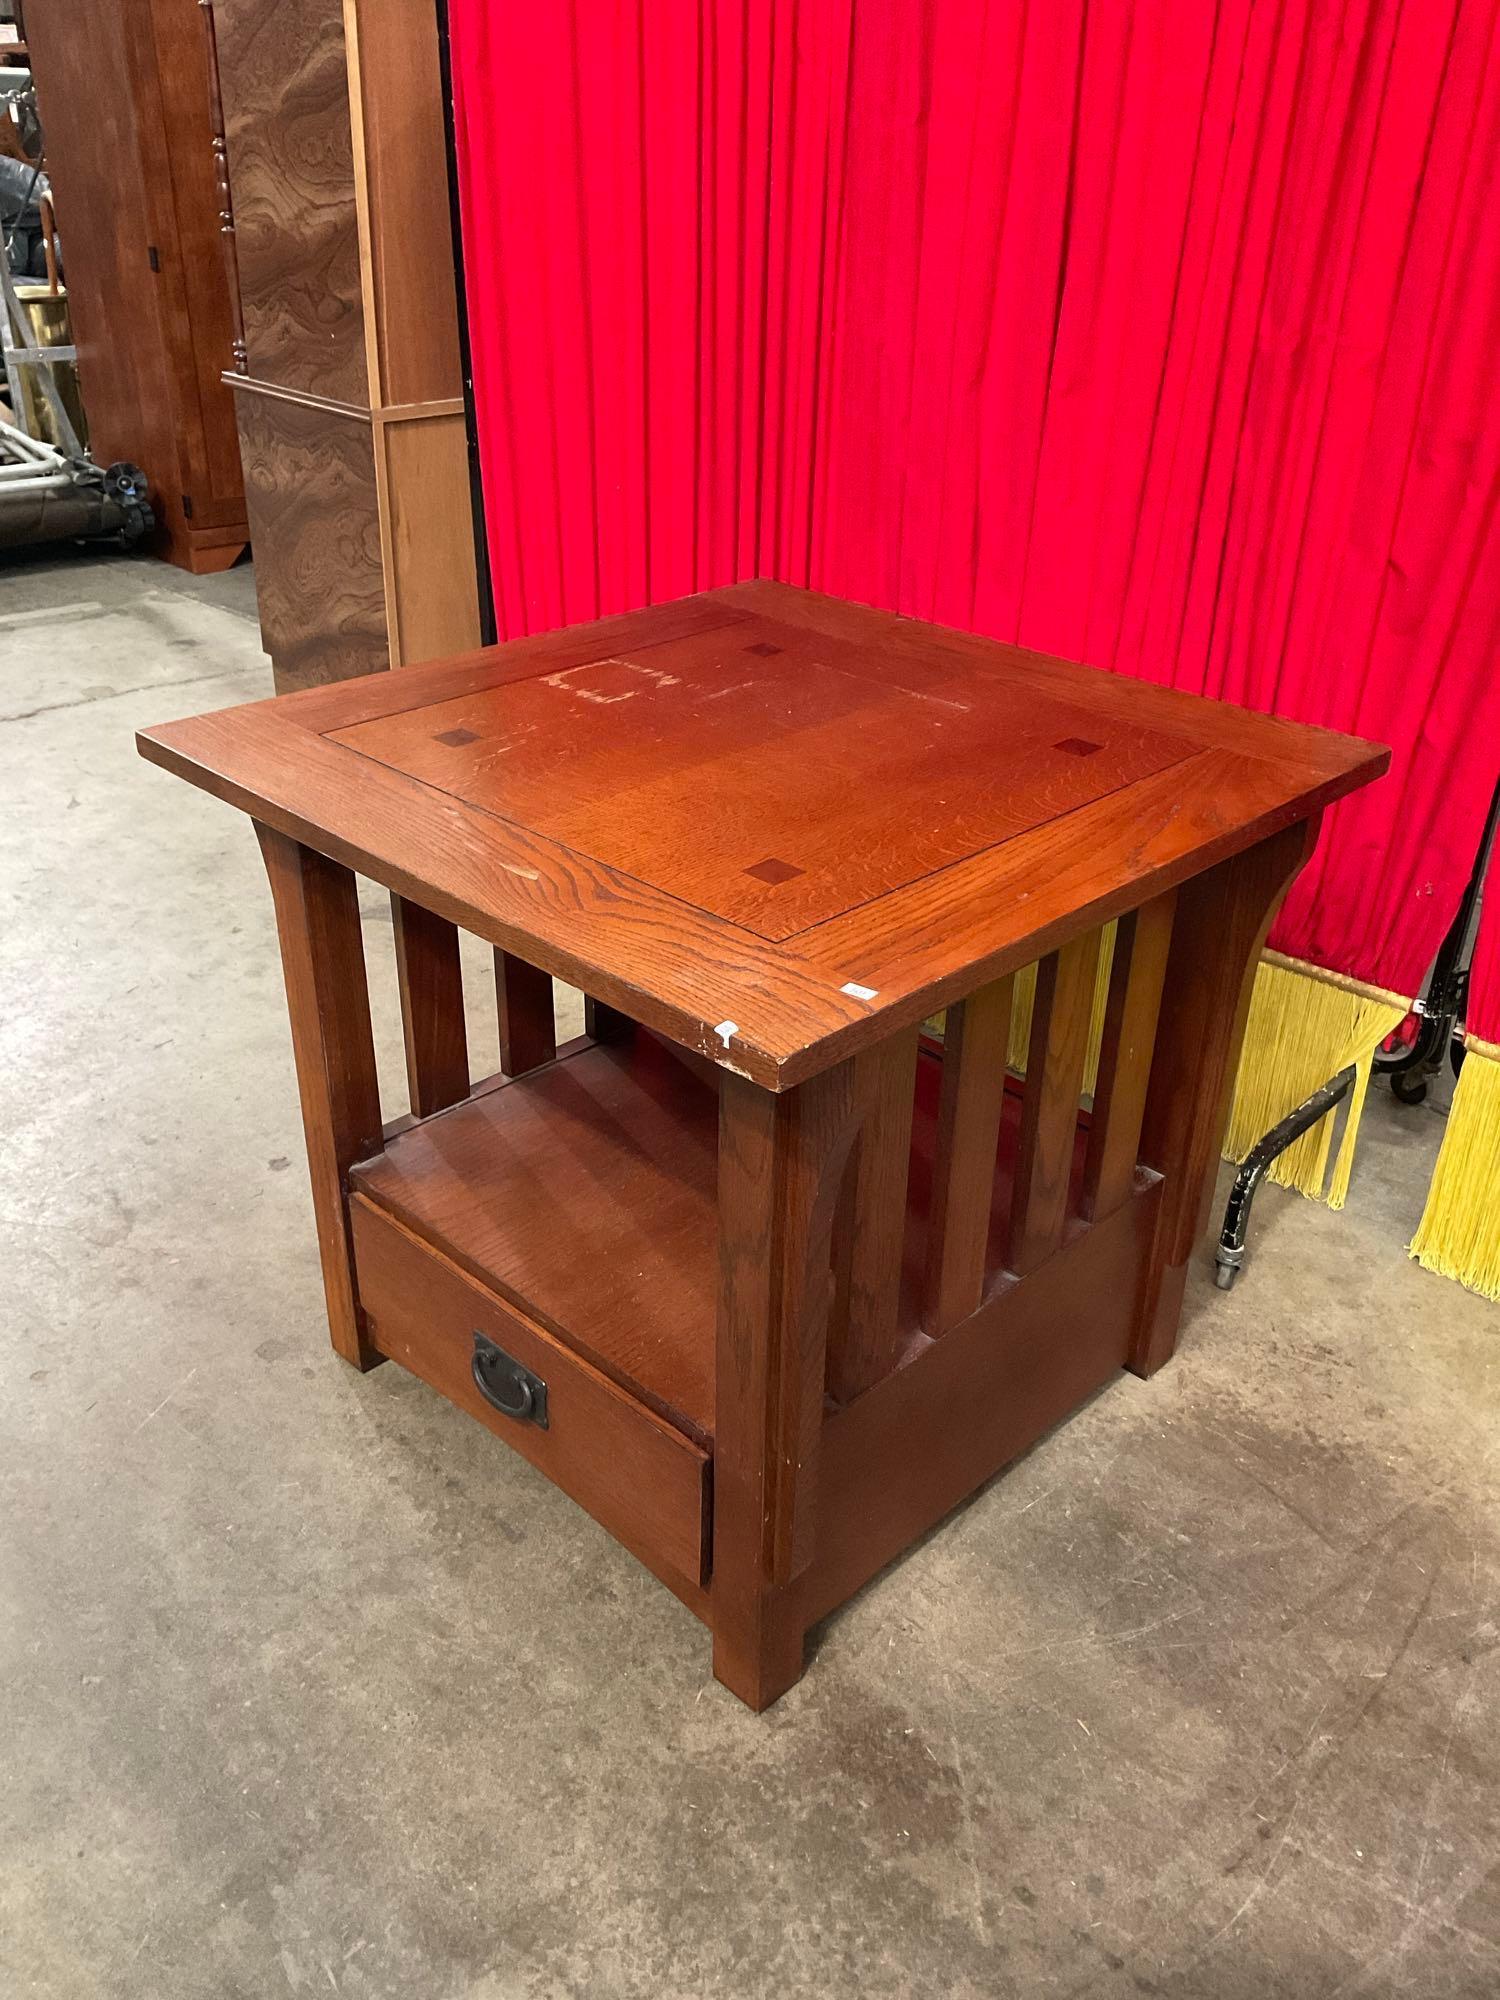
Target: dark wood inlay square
(773, 871)
(764, 651)
(1078, 746)
(456, 738)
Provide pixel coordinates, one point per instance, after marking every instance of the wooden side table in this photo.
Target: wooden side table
(762, 1274)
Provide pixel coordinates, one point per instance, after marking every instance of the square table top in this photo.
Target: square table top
(771, 824)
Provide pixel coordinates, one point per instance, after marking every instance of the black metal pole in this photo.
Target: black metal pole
(1230, 1254)
(1441, 1006)
(487, 625)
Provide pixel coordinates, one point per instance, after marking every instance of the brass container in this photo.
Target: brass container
(47, 315)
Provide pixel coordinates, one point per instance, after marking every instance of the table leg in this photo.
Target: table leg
(1218, 929)
(317, 915)
(781, 1159)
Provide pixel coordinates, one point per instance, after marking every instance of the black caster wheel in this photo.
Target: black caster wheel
(1409, 1086)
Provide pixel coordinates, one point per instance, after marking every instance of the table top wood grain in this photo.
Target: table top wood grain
(773, 825)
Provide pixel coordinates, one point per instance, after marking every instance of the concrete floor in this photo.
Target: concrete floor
(308, 1685)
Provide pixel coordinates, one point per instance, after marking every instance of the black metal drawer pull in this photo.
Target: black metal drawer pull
(511, 1389)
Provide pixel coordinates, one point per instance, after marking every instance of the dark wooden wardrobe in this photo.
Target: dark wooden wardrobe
(123, 91)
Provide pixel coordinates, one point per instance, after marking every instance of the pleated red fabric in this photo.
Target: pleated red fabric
(1158, 336)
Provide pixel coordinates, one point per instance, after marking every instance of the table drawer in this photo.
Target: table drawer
(636, 1474)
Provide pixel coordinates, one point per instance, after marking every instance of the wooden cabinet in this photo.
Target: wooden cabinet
(123, 90)
(350, 394)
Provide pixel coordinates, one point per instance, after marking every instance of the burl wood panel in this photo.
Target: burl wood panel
(285, 90)
(310, 494)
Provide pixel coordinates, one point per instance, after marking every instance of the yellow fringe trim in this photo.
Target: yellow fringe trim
(1305, 1027)
(1459, 1234)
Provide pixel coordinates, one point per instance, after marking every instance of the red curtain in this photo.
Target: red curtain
(1158, 335)
(650, 197)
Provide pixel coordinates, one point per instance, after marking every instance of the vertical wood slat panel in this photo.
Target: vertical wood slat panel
(430, 978)
(528, 1026)
(870, 1227)
(1137, 975)
(975, 1039)
(322, 958)
(1049, 1114)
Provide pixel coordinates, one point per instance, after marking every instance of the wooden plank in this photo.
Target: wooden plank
(871, 1225)
(1221, 922)
(430, 978)
(322, 957)
(781, 1160)
(895, 1462)
(1049, 1118)
(427, 509)
(401, 181)
(528, 1021)
(411, 329)
(1142, 942)
(975, 1036)
(495, 1080)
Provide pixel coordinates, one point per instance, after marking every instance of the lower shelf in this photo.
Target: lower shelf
(584, 1194)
